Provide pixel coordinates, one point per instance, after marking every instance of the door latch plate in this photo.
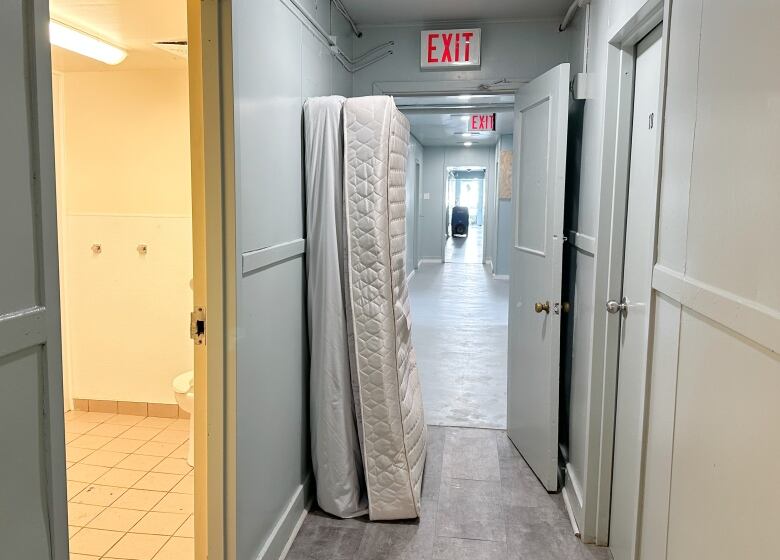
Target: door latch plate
(198, 325)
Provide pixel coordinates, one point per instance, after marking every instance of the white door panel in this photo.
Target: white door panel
(541, 123)
(637, 277)
(33, 517)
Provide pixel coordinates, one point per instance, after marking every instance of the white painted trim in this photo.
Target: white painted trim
(585, 243)
(252, 261)
(748, 318)
(489, 262)
(447, 87)
(436, 260)
(609, 269)
(410, 276)
(31, 321)
(572, 519)
(418, 25)
(501, 276)
(289, 523)
(291, 540)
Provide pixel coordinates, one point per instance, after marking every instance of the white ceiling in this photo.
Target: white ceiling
(378, 12)
(447, 129)
(133, 25)
(438, 120)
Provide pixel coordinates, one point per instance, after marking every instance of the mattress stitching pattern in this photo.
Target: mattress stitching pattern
(389, 395)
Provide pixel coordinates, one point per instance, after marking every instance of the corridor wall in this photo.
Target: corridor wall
(277, 63)
(515, 49)
(713, 419)
(503, 223)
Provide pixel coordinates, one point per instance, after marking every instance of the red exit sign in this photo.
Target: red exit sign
(445, 48)
(479, 123)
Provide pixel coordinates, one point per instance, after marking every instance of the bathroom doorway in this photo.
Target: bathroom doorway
(133, 176)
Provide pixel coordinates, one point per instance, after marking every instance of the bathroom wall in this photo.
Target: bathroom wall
(124, 167)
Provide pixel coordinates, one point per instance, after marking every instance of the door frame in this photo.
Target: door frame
(209, 30)
(211, 136)
(445, 226)
(417, 200)
(593, 517)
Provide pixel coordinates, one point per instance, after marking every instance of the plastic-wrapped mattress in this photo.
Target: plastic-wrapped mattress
(387, 392)
(336, 456)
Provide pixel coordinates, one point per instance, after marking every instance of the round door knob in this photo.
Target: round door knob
(617, 307)
(539, 307)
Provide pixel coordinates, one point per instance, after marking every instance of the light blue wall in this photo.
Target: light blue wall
(519, 50)
(504, 223)
(277, 63)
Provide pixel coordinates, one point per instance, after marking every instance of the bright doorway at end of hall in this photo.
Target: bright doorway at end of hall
(464, 215)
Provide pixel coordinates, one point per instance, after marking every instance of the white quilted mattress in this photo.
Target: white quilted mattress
(387, 392)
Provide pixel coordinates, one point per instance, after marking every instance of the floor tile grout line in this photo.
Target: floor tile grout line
(187, 515)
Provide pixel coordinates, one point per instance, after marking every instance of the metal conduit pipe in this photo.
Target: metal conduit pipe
(577, 4)
(343, 10)
(330, 41)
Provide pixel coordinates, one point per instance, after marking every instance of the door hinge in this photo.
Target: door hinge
(198, 325)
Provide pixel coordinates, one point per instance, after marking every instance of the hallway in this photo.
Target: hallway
(465, 250)
(480, 501)
(460, 337)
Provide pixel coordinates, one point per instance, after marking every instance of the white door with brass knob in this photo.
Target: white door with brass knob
(541, 123)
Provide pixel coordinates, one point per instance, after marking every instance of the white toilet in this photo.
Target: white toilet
(184, 387)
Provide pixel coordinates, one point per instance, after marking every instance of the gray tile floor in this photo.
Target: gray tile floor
(459, 330)
(467, 249)
(480, 502)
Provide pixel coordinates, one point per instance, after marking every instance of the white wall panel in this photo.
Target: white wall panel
(736, 168)
(726, 446)
(712, 439)
(679, 135)
(660, 428)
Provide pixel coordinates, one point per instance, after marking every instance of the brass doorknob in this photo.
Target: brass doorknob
(539, 307)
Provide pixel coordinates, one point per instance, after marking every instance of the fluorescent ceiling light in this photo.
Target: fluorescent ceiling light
(465, 134)
(464, 97)
(81, 43)
(467, 144)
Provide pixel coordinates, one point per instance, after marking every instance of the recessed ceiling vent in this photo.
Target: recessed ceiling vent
(176, 48)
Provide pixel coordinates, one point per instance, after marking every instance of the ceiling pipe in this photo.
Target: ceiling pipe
(577, 4)
(343, 9)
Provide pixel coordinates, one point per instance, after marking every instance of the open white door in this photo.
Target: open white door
(33, 514)
(541, 123)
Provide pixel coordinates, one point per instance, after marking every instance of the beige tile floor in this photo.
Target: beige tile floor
(129, 487)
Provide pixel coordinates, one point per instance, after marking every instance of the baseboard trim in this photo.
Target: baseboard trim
(430, 260)
(501, 276)
(572, 519)
(410, 276)
(284, 532)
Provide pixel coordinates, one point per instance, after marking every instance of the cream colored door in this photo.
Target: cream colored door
(541, 125)
(33, 514)
(208, 32)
